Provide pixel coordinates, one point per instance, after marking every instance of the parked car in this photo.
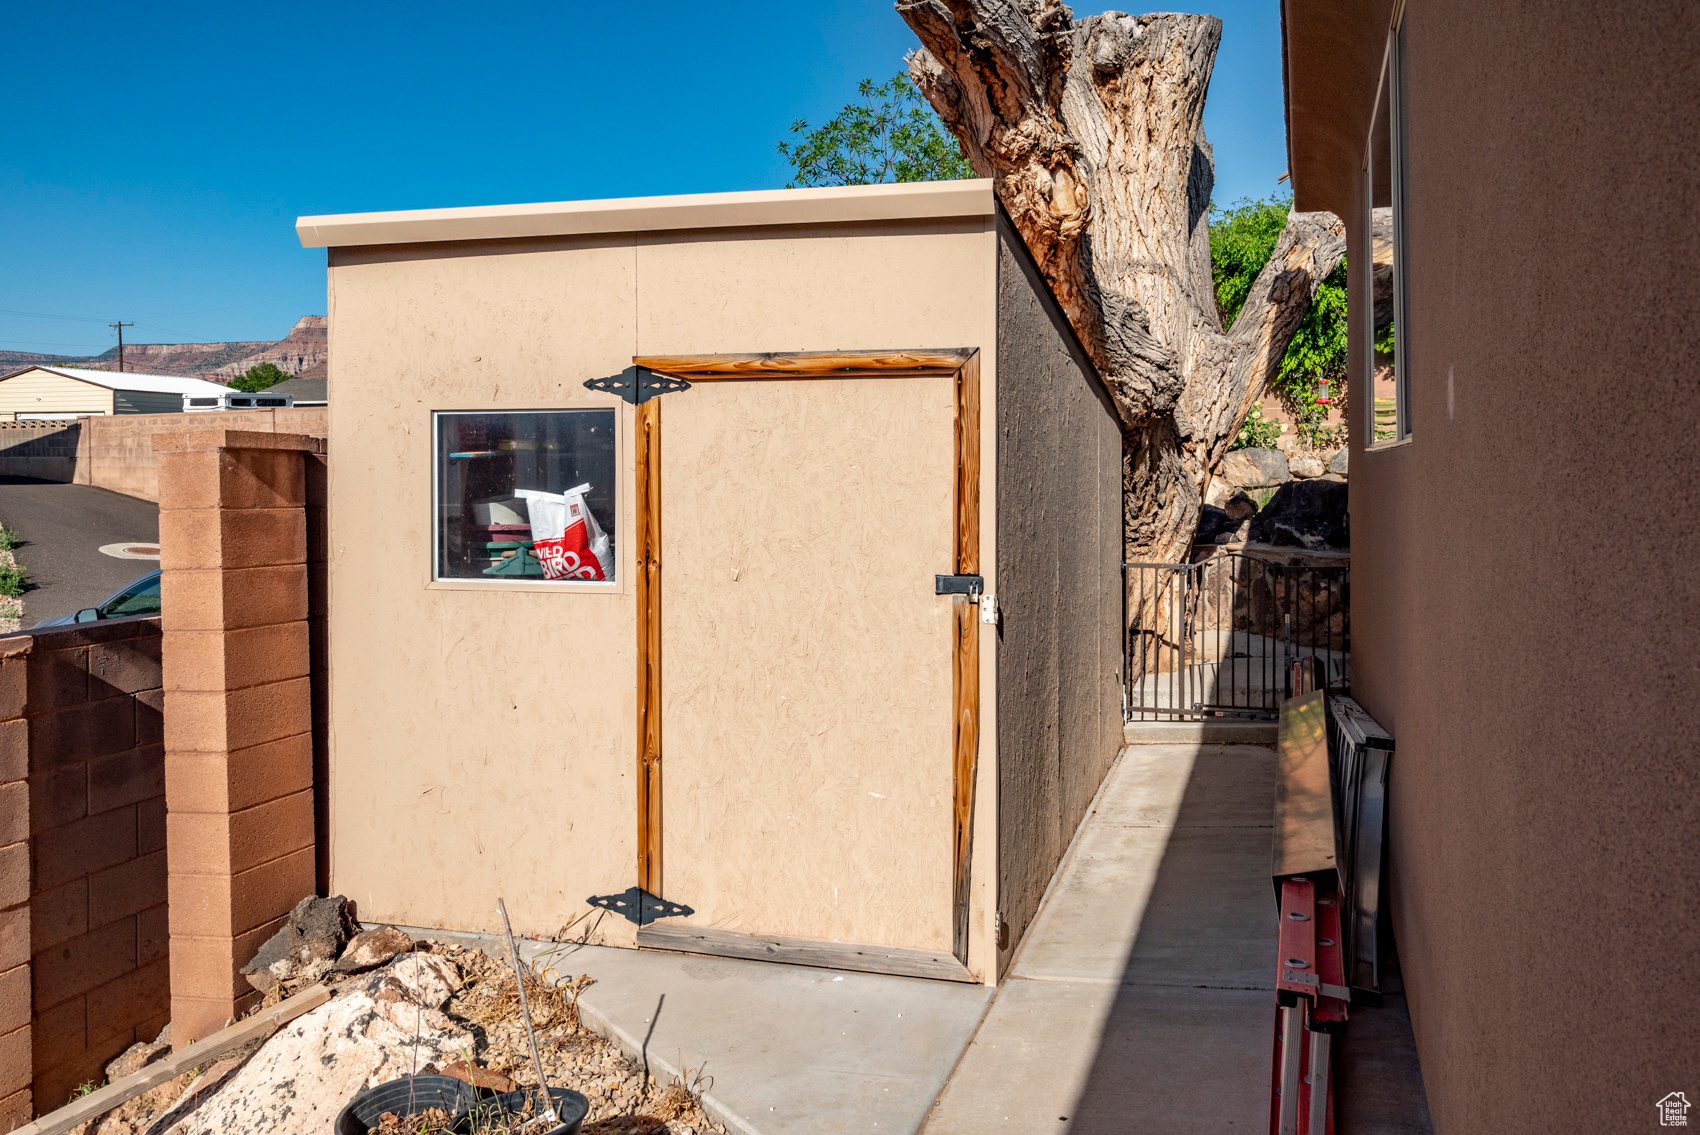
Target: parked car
(140, 597)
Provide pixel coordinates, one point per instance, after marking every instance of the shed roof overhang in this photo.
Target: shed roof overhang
(851, 204)
(1331, 53)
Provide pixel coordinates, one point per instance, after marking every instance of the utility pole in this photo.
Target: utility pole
(120, 328)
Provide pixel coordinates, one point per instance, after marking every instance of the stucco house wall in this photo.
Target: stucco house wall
(1524, 570)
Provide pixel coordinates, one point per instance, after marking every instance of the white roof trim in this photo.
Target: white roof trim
(928, 200)
(127, 380)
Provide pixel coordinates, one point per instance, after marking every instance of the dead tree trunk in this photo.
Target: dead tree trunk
(1093, 130)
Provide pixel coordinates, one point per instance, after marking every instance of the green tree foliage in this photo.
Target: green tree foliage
(890, 135)
(1241, 238)
(258, 377)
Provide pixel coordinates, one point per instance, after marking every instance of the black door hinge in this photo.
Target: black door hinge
(637, 905)
(637, 385)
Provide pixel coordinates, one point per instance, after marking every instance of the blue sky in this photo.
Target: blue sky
(153, 159)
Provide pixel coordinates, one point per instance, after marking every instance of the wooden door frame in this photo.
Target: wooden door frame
(964, 365)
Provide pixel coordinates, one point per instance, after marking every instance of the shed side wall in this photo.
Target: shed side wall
(1058, 585)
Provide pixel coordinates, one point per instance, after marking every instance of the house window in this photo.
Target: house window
(1387, 347)
(525, 497)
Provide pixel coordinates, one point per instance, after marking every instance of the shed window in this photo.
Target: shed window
(525, 496)
(1387, 357)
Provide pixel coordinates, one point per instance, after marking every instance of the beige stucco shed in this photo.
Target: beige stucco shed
(751, 719)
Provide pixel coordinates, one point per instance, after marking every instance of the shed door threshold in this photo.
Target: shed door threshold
(940, 965)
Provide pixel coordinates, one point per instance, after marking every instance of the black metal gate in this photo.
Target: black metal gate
(1218, 637)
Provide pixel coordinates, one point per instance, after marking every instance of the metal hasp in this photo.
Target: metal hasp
(959, 585)
(1359, 753)
(637, 385)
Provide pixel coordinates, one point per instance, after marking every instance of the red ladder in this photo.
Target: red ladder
(1312, 1001)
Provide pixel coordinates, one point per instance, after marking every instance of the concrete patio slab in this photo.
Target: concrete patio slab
(1139, 1000)
(1196, 908)
(1168, 882)
(780, 1049)
(1218, 785)
(791, 1049)
(1097, 1059)
(1221, 731)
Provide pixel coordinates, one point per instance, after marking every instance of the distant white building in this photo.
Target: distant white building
(45, 393)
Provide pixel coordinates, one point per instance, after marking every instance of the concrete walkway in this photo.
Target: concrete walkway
(1142, 998)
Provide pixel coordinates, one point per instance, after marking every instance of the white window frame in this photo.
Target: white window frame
(1391, 90)
(520, 583)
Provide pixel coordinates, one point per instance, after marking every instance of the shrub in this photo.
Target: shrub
(1258, 432)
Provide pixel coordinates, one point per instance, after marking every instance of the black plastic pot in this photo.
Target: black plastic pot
(405, 1096)
(570, 1108)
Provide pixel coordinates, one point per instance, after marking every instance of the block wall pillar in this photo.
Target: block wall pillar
(238, 708)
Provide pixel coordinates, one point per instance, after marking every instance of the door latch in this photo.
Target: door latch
(959, 585)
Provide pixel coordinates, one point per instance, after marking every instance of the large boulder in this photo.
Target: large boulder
(1337, 463)
(1255, 468)
(1305, 514)
(1304, 465)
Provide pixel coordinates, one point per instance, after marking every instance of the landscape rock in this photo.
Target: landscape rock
(307, 945)
(478, 1077)
(1337, 463)
(1212, 523)
(373, 948)
(139, 1056)
(298, 1081)
(1219, 492)
(1240, 507)
(1255, 468)
(1305, 514)
(1304, 465)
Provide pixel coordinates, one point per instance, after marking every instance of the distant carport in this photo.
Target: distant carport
(61, 529)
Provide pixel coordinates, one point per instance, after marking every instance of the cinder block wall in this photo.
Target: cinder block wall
(117, 452)
(239, 728)
(83, 919)
(44, 450)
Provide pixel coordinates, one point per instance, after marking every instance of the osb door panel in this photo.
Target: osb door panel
(806, 661)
